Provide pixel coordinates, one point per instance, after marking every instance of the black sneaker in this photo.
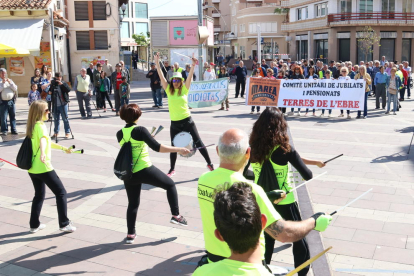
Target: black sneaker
(130, 238)
(180, 221)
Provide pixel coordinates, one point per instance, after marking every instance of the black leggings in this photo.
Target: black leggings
(153, 176)
(104, 95)
(187, 125)
(300, 248)
(52, 180)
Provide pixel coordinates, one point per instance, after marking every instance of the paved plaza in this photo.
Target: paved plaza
(373, 237)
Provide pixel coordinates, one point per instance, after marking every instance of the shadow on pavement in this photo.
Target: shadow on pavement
(27, 239)
(396, 157)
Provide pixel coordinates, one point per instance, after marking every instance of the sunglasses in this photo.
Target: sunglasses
(176, 80)
(343, 71)
(46, 110)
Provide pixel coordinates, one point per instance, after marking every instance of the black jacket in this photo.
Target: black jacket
(89, 71)
(154, 77)
(64, 88)
(184, 74)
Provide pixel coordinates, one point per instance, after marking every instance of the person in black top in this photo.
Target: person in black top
(333, 69)
(89, 72)
(224, 74)
(185, 73)
(241, 73)
(270, 137)
(155, 84)
(145, 172)
(264, 64)
(297, 73)
(37, 79)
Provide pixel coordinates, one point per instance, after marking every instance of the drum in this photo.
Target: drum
(184, 140)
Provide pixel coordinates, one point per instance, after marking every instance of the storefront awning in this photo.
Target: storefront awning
(24, 34)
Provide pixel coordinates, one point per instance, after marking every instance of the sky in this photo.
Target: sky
(172, 7)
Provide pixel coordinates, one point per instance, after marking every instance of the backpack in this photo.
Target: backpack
(24, 159)
(124, 162)
(267, 179)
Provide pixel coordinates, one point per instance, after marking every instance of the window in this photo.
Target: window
(233, 11)
(388, 5)
(345, 6)
(81, 11)
(141, 28)
(243, 52)
(82, 40)
(406, 49)
(407, 5)
(344, 49)
(141, 10)
(265, 27)
(99, 10)
(387, 48)
(302, 49)
(242, 28)
(306, 13)
(299, 14)
(321, 48)
(366, 5)
(58, 5)
(321, 10)
(101, 40)
(125, 30)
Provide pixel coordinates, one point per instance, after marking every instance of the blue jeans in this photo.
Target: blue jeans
(124, 101)
(61, 111)
(307, 109)
(156, 96)
(392, 98)
(365, 106)
(292, 109)
(330, 111)
(8, 108)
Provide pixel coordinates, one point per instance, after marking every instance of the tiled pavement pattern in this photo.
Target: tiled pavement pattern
(373, 237)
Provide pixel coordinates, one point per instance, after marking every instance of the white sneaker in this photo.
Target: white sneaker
(258, 112)
(349, 117)
(252, 112)
(394, 113)
(70, 228)
(342, 115)
(298, 114)
(329, 116)
(321, 115)
(41, 227)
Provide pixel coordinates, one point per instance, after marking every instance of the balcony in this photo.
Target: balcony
(217, 28)
(303, 25)
(215, 1)
(376, 18)
(216, 13)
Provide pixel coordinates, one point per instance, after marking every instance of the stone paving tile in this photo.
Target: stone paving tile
(378, 238)
(348, 248)
(396, 255)
(364, 224)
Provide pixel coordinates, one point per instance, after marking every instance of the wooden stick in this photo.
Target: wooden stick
(308, 262)
(333, 158)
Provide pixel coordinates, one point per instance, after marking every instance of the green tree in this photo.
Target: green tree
(143, 41)
(367, 38)
(284, 11)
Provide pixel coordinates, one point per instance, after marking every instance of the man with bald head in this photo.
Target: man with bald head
(83, 87)
(241, 73)
(234, 153)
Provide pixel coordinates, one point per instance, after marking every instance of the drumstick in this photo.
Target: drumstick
(349, 203)
(308, 262)
(153, 129)
(306, 182)
(194, 149)
(80, 151)
(1, 159)
(159, 130)
(333, 158)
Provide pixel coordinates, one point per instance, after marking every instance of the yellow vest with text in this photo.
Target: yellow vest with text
(139, 150)
(178, 70)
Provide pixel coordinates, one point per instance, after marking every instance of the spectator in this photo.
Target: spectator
(46, 93)
(383, 61)
(241, 74)
(269, 74)
(366, 77)
(328, 76)
(380, 83)
(155, 84)
(409, 79)
(375, 70)
(333, 69)
(44, 71)
(34, 94)
(97, 84)
(274, 68)
(186, 73)
(8, 96)
(224, 74)
(255, 74)
(89, 71)
(177, 67)
(124, 92)
(105, 88)
(135, 59)
(405, 75)
(116, 80)
(124, 69)
(220, 59)
(60, 98)
(305, 68)
(238, 60)
(37, 79)
(297, 73)
(264, 65)
(165, 68)
(344, 76)
(107, 68)
(83, 87)
(311, 75)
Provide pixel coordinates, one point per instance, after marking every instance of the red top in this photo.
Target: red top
(118, 79)
(405, 74)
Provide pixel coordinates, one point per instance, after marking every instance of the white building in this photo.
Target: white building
(135, 21)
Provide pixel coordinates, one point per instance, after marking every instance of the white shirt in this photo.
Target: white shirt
(209, 75)
(344, 78)
(408, 69)
(7, 90)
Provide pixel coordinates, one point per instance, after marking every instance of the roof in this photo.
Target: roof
(22, 4)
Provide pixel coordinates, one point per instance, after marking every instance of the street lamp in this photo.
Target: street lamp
(121, 16)
(225, 27)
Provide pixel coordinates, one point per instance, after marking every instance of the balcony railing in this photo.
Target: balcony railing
(374, 17)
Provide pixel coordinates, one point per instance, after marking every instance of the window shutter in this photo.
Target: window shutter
(99, 10)
(82, 41)
(81, 11)
(101, 40)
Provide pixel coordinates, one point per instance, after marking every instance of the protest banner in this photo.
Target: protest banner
(318, 94)
(208, 93)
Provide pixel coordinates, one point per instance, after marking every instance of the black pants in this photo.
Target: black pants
(49, 106)
(52, 180)
(153, 176)
(187, 125)
(300, 248)
(243, 86)
(104, 95)
(381, 91)
(402, 93)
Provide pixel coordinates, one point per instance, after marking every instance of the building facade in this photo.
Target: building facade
(329, 30)
(40, 28)
(135, 21)
(94, 32)
(246, 18)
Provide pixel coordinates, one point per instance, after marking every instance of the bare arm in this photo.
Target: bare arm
(318, 163)
(190, 74)
(290, 231)
(164, 82)
(182, 151)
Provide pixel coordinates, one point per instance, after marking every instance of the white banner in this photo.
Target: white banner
(322, 94)
(208, 93)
